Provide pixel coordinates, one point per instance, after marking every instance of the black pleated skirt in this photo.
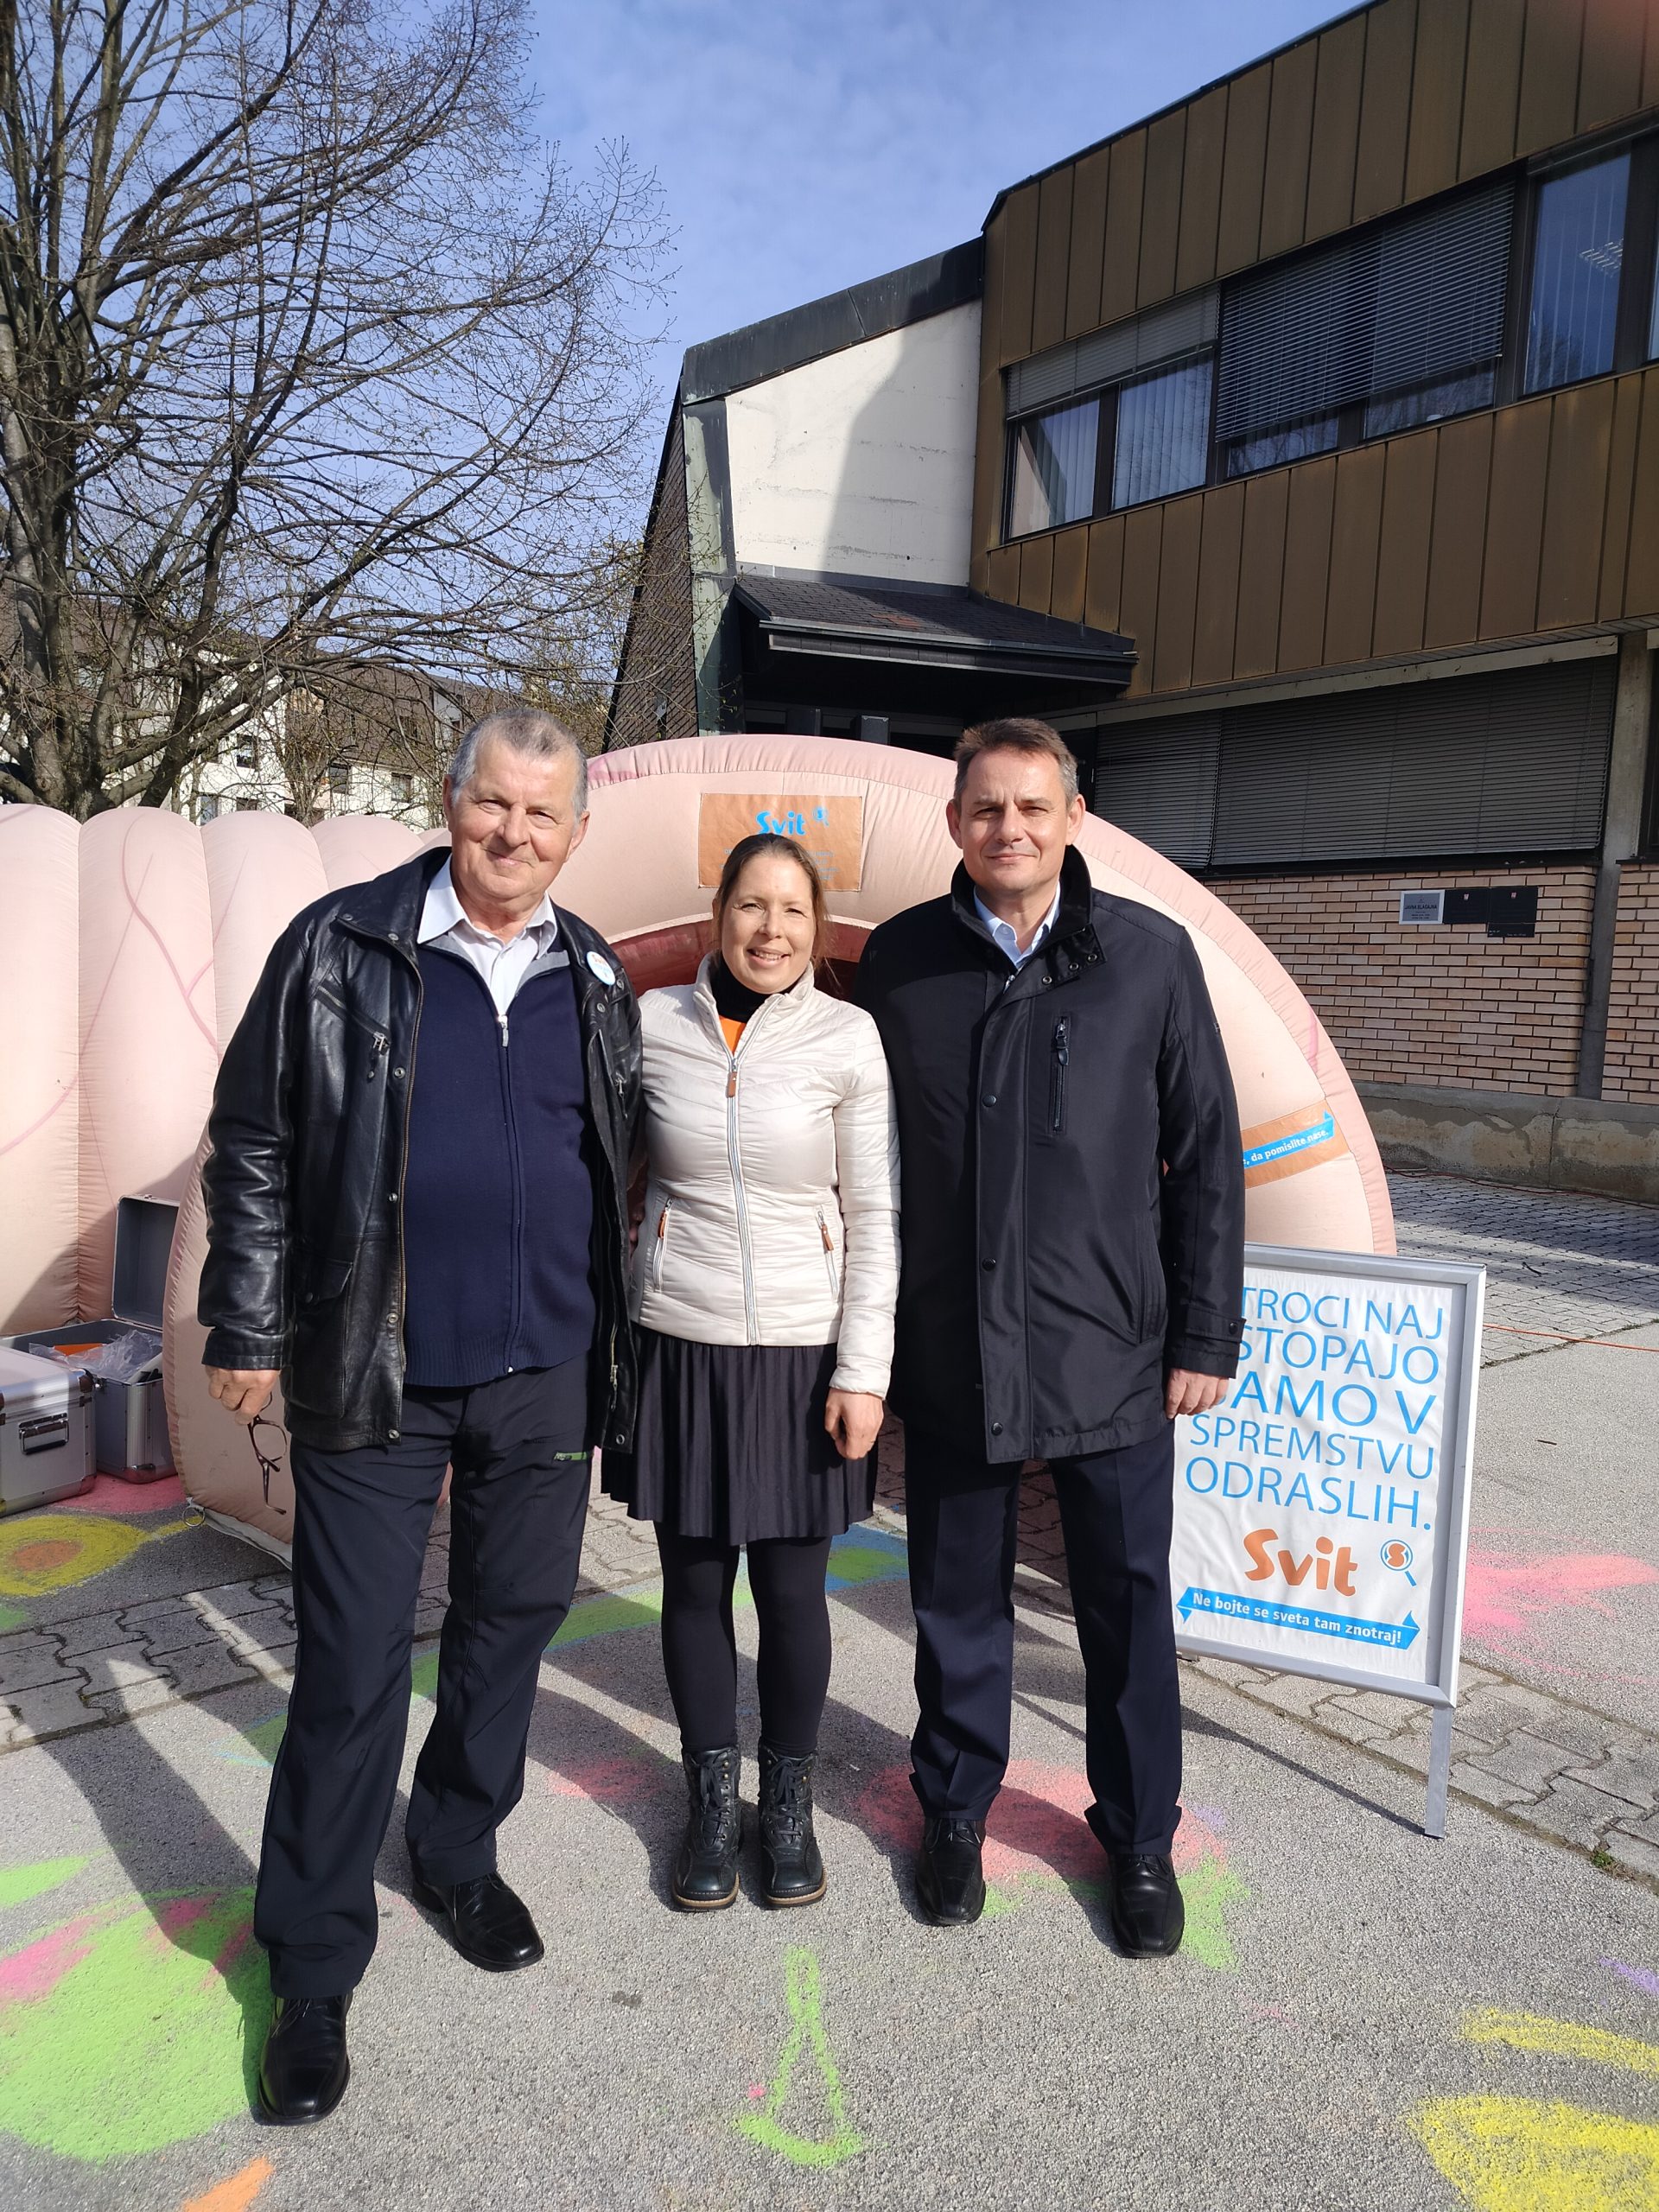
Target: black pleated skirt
(730, 1443)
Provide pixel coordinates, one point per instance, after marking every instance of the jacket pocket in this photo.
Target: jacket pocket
(1059, 1065)
(318, 1351)
(660, 1245)
(829, 1244)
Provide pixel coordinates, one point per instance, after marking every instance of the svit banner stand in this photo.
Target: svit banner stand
(1322, 1511)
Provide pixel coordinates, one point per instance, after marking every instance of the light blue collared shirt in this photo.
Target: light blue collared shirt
(1004, 932)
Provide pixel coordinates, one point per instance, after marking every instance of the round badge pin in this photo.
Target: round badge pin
(601, 967)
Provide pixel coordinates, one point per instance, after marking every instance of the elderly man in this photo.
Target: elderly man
(416, 1218)
(1072, 1280)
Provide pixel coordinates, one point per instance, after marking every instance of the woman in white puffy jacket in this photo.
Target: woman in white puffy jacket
(765, 1278)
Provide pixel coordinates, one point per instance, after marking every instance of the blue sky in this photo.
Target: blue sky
(804, 146)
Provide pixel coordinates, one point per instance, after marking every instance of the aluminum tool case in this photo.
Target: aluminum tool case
(45, 1431)
(130, 1420)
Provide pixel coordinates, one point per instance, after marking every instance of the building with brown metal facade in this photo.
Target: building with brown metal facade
(1320, 414)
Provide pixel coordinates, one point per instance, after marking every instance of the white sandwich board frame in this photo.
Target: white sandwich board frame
(1218, 1493)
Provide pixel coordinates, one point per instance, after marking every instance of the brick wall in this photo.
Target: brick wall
(1632, 1069)
(1448, 1005)
(657, 685)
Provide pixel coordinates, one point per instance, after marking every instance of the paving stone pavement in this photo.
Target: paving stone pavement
(1565, 1266)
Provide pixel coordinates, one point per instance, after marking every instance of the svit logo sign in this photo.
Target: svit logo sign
(1332, 1568)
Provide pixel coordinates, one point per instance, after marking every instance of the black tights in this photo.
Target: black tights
(700, 1647)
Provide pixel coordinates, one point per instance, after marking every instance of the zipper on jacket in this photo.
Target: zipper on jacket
(829, 1255)
(515, 1307)
(733, 1161)
(403, 1179)
(660, 1250)
(1057, 1080)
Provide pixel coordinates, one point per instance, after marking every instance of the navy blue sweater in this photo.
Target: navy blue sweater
(498, 1194)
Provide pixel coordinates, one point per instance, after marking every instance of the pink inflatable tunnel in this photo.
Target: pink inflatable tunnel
(134, 942)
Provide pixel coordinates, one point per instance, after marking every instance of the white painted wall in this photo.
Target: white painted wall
(864, 462)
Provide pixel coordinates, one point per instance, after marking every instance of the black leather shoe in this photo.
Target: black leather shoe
(950, 1885)
(1147, 1914)
(489, 1926)
(705, 1873)
(791, 1865)
(303, 2073)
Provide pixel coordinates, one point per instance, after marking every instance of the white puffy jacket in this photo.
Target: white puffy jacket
(771, 1212)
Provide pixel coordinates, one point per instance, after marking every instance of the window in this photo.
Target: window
(1053, 476)
(340, 779)
(403, 790)
(247, 806)
(1578, 253)
(207, 808)
(247, 752)
(1163, 435)
(1400, 324)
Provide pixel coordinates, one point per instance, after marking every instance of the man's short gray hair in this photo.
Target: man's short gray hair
(530, 730)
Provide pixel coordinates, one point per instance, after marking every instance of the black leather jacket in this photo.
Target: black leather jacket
(304, 1179)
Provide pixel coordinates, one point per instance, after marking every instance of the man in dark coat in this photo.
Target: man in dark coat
(1071, 1280)
(417, 1218)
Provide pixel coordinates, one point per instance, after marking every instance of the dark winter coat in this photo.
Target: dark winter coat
(310, 1135)
(1073, 1216)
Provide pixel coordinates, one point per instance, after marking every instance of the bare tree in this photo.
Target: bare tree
(308, 353)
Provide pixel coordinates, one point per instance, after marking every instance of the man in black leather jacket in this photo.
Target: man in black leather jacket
(418, 1219)
(1072, 1280)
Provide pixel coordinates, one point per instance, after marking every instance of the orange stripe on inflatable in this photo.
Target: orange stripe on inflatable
(1305, 1138)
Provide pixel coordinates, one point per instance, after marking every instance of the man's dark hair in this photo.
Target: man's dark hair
(1018, 734)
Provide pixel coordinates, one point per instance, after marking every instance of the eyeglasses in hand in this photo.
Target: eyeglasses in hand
(270, 1458)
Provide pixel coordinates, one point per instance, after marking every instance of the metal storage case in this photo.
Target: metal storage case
(46, 1430)
(130, 1436)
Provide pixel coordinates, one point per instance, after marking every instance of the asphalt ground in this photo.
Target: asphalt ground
(1360, 2019)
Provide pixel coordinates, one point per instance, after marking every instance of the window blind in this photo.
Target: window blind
(1108, 356)
(1409, 302)
(1514, 762)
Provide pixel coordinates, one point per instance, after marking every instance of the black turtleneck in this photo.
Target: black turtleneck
(733, 1002)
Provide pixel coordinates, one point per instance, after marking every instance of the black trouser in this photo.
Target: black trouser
(518, 1505)
(700, 1645)
(1117, 1512)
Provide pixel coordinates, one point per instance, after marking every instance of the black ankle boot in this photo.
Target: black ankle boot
(705, 1873)
(792, 1867)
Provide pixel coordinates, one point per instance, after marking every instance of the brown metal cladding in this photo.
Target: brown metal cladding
(1102, 602)
(1206, 139)
(1610, 73)
(1124, 191)
(1261, 575)
(1243, 160)
(1037, 574)
(1403, 545)
(1216, 618)
(1308, 510)
(1143, 532)
(1336, 128)
(1087, 242)
(1004, 564)
(1290, 137)
(1019, 273)
(1054, 254)
(1515, 519)
(1549, 74)
(1575, 505)
(1355, 532)
(1071, 574)
(1178, 593)
(1385, 108)
(1621, 476)
(1491, 85)
(1160, 209)
(1650, 57)
(1456, 546)
(1436, 97)
(990, 453)
(1642, 563)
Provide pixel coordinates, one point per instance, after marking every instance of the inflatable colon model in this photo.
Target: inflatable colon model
(134, 942)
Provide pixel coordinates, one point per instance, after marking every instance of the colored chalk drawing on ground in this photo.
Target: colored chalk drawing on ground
(1510, 1595)
(1525, 2154)
(19, 1884)
(806, 2074)
(133, 2027)
(43, 1551)
(109, 1494)
(236, 2194)
(12, 1616)
(1037, 1838)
